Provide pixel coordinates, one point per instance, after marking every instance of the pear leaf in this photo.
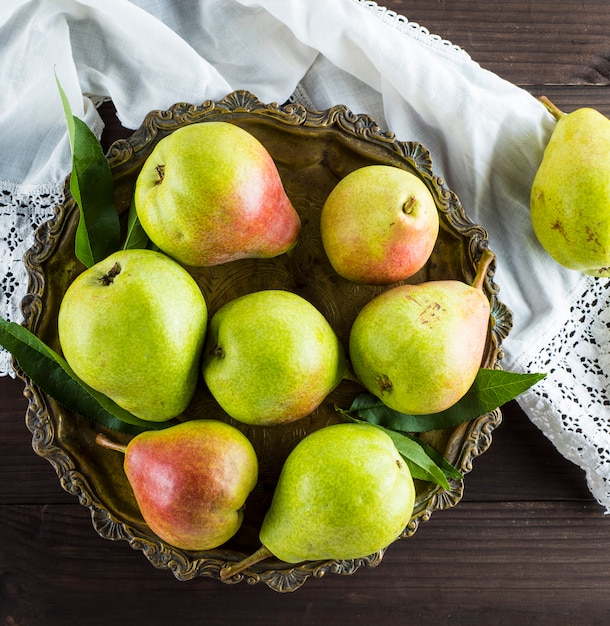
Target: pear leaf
(490, 390)
(423, 461)
(449, 470)
(420, 463)
(136, 237)
(51, 372)
(98, 233)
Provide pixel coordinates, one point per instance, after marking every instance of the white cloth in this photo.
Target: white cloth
(486, 137)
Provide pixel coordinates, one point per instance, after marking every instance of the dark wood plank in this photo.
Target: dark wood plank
(528, 43)
(573, 97)
(522, 465)
(478, 563)
(25, 477)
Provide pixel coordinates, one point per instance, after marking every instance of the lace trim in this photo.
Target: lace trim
(410, 28)
(21, 212)
(571, 406)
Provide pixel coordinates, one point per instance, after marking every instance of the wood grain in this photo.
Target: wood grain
(528, 43)
(542, 562)
(526, 544)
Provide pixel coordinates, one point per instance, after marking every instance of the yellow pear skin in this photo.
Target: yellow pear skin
(379, 225)
(270, 357)
(210, 193)
(418, 348)
(570, 195)
(132, 326)
(344, 492)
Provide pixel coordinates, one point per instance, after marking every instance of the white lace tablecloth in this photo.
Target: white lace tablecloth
(486, 137)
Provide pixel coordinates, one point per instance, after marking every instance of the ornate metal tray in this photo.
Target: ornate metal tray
(313, 150)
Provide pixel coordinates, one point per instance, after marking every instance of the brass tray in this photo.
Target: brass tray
(313, 150)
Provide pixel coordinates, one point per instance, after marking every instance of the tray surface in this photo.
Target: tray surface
(313, 150)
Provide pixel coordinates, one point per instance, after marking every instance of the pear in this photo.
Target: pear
(132, 327)
(418, 348)
(379, 225)
(344, 492)
(210, 193)
(271, 357)
(190, 481)
(570, 194)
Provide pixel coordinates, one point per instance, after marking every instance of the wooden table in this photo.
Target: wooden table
(526, 544)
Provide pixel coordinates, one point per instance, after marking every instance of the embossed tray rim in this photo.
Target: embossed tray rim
(465, 442)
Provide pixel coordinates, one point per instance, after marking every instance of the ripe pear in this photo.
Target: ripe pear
(418, 348)
(271, 357)
(379, 225)
(570, 195)
(132, 327)
(344, 492)
(190, 481)
(210, 193)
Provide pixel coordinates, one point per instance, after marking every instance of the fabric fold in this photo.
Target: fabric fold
(486, 137)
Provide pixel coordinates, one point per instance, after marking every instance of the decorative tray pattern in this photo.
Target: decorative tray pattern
(313, 150)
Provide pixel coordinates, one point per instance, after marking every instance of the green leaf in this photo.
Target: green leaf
(53, 375)
(98, 233)
(490, 390)
(423, 461)
(419, 461)
(136, 236)
(449, 470)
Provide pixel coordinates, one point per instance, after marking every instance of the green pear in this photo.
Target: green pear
(190, 481)
(344, 492)
(418, 348)
(379, 225)
(271, 357)
(570, 195)
(210, 193)
(132, 327)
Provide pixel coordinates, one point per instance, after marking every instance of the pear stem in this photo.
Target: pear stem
(105, 442)
(349, 375)
(487, 256)
(236, 568)
(553, 109)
